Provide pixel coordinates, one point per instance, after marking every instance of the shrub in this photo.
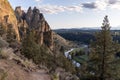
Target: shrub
(3, 76)
(6, 53)
(40, 54)
(27, 63)
(3, 43)
(63, 62)
(55, 76)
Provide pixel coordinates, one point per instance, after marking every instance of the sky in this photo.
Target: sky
(74, 13)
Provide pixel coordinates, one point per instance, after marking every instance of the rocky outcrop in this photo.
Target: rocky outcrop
(7, 16)
(21, 21)
(18, 13)
(34, 20)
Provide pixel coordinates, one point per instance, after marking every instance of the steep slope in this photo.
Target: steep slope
(61, 42)
(17, 67)
(13, 65)
(7, 15)
(12, 71)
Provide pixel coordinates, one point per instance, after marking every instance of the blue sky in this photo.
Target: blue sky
(74, 13)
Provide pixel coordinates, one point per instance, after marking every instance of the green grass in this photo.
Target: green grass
(76, 50)
(81, 59)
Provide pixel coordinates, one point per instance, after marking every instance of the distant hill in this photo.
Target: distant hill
(85, 35)
(85, 28)
(76, 30)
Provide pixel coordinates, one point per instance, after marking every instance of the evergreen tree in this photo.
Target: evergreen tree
(103, 63)
(11, 36)
(2, 29)
(62, 49)
(29, 47)
(40, 54)
(32, 50)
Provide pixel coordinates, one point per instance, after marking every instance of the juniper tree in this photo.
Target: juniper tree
(11, 35)
(103, 63)
(29, 47)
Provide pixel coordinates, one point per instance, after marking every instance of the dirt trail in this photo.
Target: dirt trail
(16, 72)
(40, 75)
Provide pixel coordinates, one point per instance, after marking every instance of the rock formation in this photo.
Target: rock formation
(7, 16)
(34, 20)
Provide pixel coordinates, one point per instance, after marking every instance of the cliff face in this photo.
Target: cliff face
(7, 15)
(21, 21)
(34, 20)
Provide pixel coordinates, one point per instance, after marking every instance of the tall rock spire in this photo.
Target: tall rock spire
(36, 21)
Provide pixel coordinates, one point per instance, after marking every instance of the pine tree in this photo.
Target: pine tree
(2, 29)
(103, 63)
(11, 36)
(29, 47)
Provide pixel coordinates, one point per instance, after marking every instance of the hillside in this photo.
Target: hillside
(60, 41)
(14, 66)
(29, 48)
(84, 36)
(10, 70)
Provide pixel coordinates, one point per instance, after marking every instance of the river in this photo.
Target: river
(68, 55)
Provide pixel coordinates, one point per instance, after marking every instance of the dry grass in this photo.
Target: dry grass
(55, 76)
(28, 63)
(6, 53)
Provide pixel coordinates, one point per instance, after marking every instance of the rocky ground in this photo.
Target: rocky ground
(13, 70)
(10, 70)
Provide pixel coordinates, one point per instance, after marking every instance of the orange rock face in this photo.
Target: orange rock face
(7, 15)
(33, 19)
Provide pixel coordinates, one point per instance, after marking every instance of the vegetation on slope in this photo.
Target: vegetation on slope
(40, 54)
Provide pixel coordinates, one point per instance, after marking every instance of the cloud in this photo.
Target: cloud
(95, 5)
(37, 0)
(114, 4)
(99, 4)
(102, 4)
(89, 5)
(54, 9)
(113, 1)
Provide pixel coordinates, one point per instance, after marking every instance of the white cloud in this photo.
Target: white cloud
(102, 4)
(95, 5)
(54, 9)
(114, 4)
(74, 8)
(38, 0)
